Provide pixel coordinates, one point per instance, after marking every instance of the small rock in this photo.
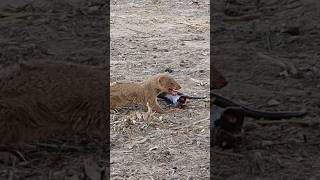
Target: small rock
(166, 153)
(168, 69)
(192, 142)
(273, 102)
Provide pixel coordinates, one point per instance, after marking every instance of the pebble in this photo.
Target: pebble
(169, 70)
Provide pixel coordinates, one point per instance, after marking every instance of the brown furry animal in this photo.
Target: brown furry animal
(37, 100)
(126, 93)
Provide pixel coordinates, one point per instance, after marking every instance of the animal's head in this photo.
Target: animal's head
(168, 84)
(217, 79)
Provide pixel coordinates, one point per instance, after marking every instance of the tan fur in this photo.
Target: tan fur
(37, 100)
(126, 93)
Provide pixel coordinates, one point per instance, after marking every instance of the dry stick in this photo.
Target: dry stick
(285, 65)
(269, 40)
(272, 60)
(191, 124)
(13, 151)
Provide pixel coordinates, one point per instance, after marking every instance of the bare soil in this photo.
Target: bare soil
(268, 50)
(270, 55)
(150, 37)
(65, 31)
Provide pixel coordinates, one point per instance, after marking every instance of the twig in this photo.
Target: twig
(269, 41)
(285, 65)
(191, 124)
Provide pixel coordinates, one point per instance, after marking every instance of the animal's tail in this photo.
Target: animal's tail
(224, 102)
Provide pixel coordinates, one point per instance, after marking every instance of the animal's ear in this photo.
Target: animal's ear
(161, 80)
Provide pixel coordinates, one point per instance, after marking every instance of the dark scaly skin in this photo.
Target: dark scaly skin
(250, 112)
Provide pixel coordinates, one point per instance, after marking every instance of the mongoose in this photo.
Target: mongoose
(126, 93)
(41, 99)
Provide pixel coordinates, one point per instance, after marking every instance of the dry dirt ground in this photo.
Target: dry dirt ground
(269, 51)
(70, 31)
(150, 37)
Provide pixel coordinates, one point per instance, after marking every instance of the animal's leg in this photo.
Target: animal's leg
(154, 105)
